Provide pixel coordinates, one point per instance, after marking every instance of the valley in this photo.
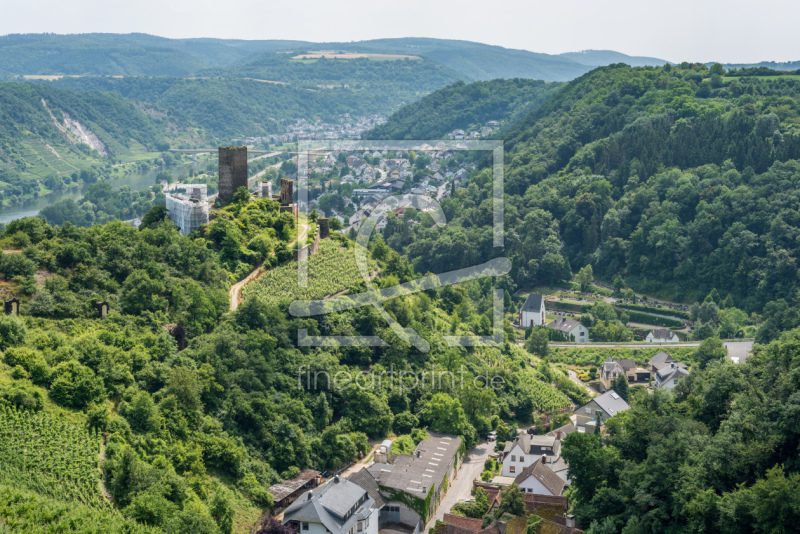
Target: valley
(632, 367)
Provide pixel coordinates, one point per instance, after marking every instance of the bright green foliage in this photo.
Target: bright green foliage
(466, 107)
(26, 511)
(45, 454)
(724, 444)
(331, 270)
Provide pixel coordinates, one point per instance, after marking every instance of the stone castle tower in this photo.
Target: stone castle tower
(232, 170)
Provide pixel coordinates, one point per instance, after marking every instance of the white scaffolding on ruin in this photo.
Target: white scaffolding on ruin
(187, 206)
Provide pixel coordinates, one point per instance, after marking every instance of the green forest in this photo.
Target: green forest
(232, 106)
(680, 182)
(670, 178)
(193, 438)
(467, 107)
(718, 455)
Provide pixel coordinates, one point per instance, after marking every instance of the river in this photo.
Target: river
(136, 180)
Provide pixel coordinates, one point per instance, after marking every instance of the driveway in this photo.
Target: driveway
(738, 351)
(574, 377)
(461, 486)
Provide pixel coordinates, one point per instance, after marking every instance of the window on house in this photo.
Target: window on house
(521, 458)
(512, 469)
(588, 410)
(513, 458)
(305, 526)
(360, 526)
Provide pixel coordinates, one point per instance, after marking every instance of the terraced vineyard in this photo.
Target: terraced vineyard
(44, 454)
(547, 398)
(25, 511)
(331, 270)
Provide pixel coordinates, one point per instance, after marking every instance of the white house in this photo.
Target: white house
(662, 335)
(670, 374)
(338, 507)
(532, 312)
(539, 479)
(527, 449)
(573, 330)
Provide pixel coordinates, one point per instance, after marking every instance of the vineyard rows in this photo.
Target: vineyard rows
(25, 511)
(331, 270)
(44, 454)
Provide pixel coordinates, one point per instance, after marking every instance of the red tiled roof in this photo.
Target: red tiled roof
(463, 522)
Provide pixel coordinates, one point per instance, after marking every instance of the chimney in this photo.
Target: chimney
(544, 458)
(570, 521)
(336, 479)
(419, 453)
(310, 495)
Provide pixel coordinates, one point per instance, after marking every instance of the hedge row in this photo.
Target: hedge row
(646, 318)
(659, 311)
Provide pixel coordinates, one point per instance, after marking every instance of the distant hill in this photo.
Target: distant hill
(786, 65)
(229, 107)
(477, 61)
(148, 55)
(598, 58)
(47, 132)
(467, 107)
(405, 79)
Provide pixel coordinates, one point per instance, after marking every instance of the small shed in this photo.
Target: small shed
(287, 491)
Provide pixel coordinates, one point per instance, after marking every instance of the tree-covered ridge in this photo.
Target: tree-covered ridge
(238, 107)
(623, 121)
(465, 106)
(50, 137)
(194, 438)
(154, 272)
(114, 120)
(718, 455)
(418, 75)
(670, 178)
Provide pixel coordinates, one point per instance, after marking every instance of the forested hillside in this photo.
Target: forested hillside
(192, 439)
(651, 174)
(465, 106)
(237, 107)
(49, 134)
(718, 455)
(140, 54)
(412, 75)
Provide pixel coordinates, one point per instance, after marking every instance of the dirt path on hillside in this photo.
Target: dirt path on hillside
(235, 293)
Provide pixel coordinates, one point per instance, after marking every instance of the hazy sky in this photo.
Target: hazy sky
(677, 30)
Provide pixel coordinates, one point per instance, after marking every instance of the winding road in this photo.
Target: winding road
(236, 288)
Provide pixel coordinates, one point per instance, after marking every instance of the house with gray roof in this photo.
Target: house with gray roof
(612, 368)
(670, 374)
(572, 330)
(408, 481)
(339, 507)
(599, 409)
(659, 360)
(662, 335)
(539, 479)
(532, 312)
